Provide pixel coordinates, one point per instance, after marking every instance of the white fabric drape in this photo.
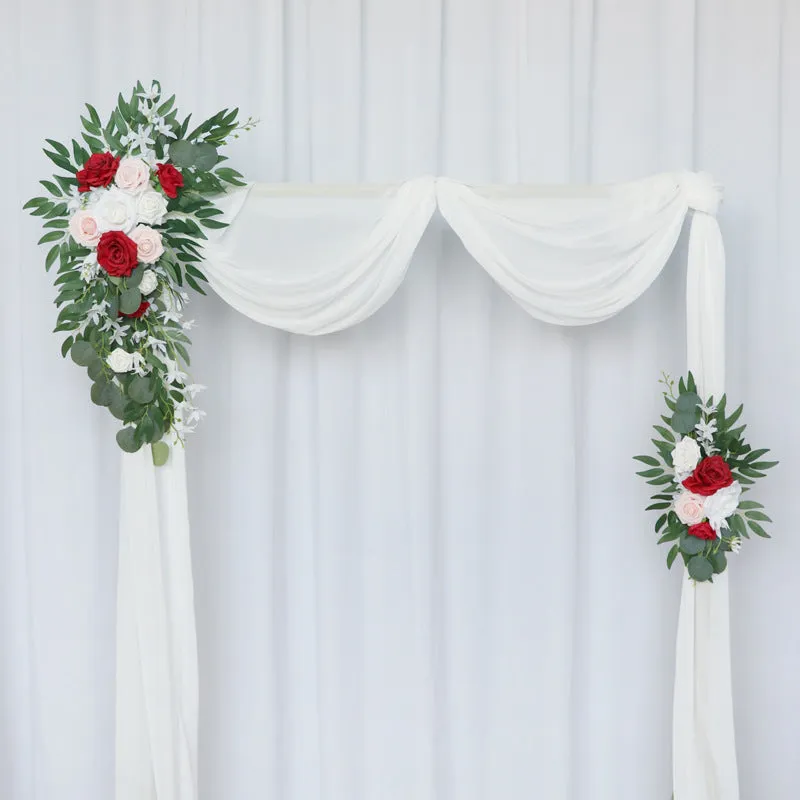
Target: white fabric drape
(573, 259)
(360, 633)
(157, 692)
(703, 742)
(313, 264)
(316, 261)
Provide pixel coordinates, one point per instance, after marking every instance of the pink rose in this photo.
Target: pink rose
(133, 175)
(689, 508)
(84, 229)
(149, 247)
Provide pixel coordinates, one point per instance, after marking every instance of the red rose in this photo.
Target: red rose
(116, 254)
(170, 179)
(710, 474)
(702, 531)
(99, 170)
(139, 311)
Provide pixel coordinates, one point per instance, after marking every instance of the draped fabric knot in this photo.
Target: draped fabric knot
(700, 191)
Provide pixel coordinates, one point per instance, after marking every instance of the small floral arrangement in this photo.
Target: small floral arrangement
(702, 470)
(125, 219)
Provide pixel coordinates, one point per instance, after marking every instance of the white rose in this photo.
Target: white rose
(149, 282)
(720, 505)
(84, 228)
(689, 508)
(149, 247)
(115, 210)
(151, 207)
(120, 360)
(685, 456)
(133, 175)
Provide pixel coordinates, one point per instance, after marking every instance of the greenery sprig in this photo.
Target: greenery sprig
(123, 313)
(701, 469)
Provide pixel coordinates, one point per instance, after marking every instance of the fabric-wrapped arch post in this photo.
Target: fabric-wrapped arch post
(568, 256)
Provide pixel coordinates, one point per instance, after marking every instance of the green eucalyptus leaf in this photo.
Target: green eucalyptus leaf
(118, 405)
(688, 401)
(126, 439)
(130, 300)
(685, 421)
(83, 353)
(135, 278)
(700, 568)
(719, 561)
(101, 394)
(205, 156)
(141, 390)
(160, 453)
(96, 369)
(182, 153)
(691, 545)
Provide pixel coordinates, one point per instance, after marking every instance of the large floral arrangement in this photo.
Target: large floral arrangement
(702, 469)
(125, 221)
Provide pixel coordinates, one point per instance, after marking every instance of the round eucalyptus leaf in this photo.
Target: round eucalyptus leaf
(82, 353)
(146, 430)
(688, 401)
(160, 453)
(205, 156)
(95, 369)
(118, 403)
(115, 280)
(182, 153)
(141, 390)
(126, 439)
(719, 561)
(691, 545)
(130, 300)
(156, 431)
(685, 421)
(700, 568)
(135, 278)
(102, 393)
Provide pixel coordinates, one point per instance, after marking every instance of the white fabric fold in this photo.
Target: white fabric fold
(704, 746)
(316, 261)
(318, 265)
(157, 683)
(570, 257)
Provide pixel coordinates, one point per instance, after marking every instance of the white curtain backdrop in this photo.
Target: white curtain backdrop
(422, 565)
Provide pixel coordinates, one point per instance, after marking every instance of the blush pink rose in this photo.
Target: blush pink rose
(149, 247)
(133, 175)
(689, 508)
(84, 229)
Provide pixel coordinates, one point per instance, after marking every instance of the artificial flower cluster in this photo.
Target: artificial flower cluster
(128, 219)
(703, 469)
